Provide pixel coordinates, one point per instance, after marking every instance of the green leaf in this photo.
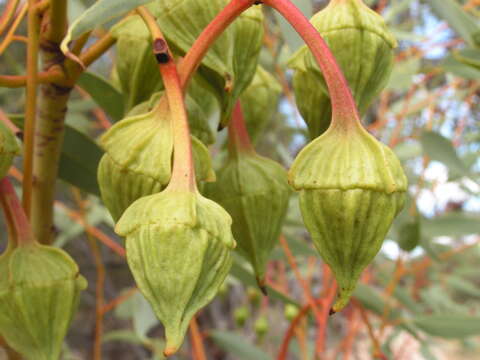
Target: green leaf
(236, 346)
(79, 161)
(457, 68)
(370, 298)
(438, 148)
(464, 24)
(449, 326)
(453, 224)
(98, 14)
(293, 40)
(468, 56)
(104, 94)
(463, 286)
(143, 316)
(401, 78)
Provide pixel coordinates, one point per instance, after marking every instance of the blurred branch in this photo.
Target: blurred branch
(11, 31)
(30, 106)
(197, 342)
(7, 15)
(100, 285)
(377, 350)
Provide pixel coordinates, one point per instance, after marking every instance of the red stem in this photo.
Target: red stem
(343, 104)
(237, 132)
(14, 214)
(183, 173)
(329, 290)
(208, 36)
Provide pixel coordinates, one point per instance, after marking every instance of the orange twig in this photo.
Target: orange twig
(197, 343)
(119, 300)
(306, 289)
(95, 232)
(377, 352)
(282, 355)
(99, 289)
(11, 31)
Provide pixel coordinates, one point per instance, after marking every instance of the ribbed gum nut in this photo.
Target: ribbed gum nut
(260, 102)
(136, 66)
(230, 63)
(8, 149)
(255, 192)
(179, 251)
(138, 160)
(202, 110)
(351, 188)
(39, 294)
(363, 47)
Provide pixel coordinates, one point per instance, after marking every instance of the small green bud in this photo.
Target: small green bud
(261, 327)
(290, 312)
(241, 315)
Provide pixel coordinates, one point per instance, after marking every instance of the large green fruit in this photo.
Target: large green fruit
(351, 188)
(255, 192)
(138, 158)
(39, 293)
(179, 251)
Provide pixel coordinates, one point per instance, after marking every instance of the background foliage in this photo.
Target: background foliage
(419, 299)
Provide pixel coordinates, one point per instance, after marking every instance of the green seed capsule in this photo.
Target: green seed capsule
(362, 46)
(351, 188)
(260, 102)
(230, 63)
(138, 159)
(179, 251)
(255, 192)
(39, 293)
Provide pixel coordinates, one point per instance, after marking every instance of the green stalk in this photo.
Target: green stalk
(49, 130)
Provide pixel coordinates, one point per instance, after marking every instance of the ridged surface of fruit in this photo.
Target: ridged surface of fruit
(136, 67)
(202, 111)
(351, 188)
(260, 102)
(138, 160)
(8, 149)
(362, 46)
(230, 64)
(39, 294)
(179, 251)
(255, 192)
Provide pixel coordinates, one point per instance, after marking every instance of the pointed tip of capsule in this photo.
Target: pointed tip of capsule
(169, 351)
